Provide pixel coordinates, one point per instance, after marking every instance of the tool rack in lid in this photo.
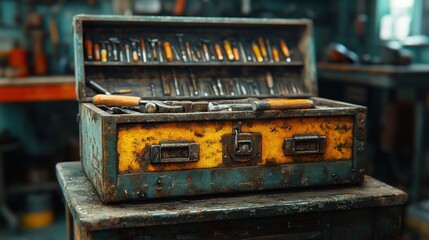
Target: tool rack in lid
(180, 57)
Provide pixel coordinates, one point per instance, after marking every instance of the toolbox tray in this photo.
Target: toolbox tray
(134, 154)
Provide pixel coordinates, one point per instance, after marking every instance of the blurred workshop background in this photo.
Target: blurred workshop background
(373, 53)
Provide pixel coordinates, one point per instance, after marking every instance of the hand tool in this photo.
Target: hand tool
(243, 88)
(270, 82)
(153, 43)
(176, 83)
(262, 47)
(243, 53)
(249, 52)
(193, 54)
(218, 51)
(213, 106)
(143, 49)
(160, 55)
(194, 82)
(228, 50)
(97, 56)
(115, 42)
(113, 110)
(152, 89)
(109, 52)
(237, 87)
(175, 53)
(150, 106)
(205, 48)
(269, 50)
(136, 51)
(130, 101)
(219, 85)
(188, 51)
(282, 104)
(214, 88)
(257, 52)
(168, 51)
(285, 50)
(182, 48)
(97, 87)
(127, 53)
(122, 91)
(236, 52)
(197, 53)
(89, 49)
(165, 86)
(103, 52)
(275, 53)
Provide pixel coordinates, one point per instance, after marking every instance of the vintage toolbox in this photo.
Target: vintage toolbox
(373, 210)
(176, 106)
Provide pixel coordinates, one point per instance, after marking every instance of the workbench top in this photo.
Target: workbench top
(385, 76)
(91, 214)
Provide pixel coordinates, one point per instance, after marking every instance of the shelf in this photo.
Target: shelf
(36, 89)
(195, 64)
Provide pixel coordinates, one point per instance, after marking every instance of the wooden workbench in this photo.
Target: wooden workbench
(35, 89)
(371, 211)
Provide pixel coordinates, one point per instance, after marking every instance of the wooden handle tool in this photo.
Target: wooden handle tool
(114, 100)
(284, 48)
(168, 51)
(282, 104)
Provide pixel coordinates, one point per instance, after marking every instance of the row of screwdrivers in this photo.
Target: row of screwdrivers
(145, 50)
(189, 85)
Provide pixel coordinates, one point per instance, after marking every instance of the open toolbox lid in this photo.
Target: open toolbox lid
(193, 57)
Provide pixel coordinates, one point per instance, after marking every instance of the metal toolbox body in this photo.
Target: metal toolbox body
(134, 155)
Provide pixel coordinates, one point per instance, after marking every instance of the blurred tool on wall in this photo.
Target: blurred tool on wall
(35, 31)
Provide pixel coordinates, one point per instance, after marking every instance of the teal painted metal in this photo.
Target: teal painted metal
(99, 129)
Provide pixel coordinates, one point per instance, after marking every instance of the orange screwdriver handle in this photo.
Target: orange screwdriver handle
(282, 104)
(113, 100)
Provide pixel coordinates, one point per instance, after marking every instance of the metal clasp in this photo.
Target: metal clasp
(244, 146)
(240, 147)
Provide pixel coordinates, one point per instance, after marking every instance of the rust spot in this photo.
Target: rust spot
(340, 146)
(199, 133)
(343, 127)
(286, 127)
(273, 130)
(151, 138)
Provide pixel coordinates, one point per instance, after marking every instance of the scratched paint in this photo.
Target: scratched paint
(134, 141)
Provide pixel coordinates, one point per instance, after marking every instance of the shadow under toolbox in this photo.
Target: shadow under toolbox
(185, 106)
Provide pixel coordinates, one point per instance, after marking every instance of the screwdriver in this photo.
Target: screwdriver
(97, 56)
(103, 53)
(228, 50)
(143, 48)
(219, 53)
(276, 56)
(270, 82)
(165, 86)
(262, 47)
(285, 50)
(257, 52)
(89, 49)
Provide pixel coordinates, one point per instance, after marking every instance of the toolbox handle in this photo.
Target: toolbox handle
(175, 151)
(302, 144)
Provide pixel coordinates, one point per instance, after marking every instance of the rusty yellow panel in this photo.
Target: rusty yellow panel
(134, 141)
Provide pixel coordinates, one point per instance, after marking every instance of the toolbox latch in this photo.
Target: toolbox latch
(175, 151)
(301, 144)
(240, 147)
